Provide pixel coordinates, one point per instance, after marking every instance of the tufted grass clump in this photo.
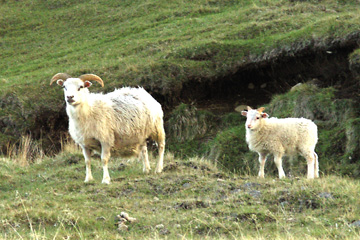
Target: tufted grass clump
(189, 129)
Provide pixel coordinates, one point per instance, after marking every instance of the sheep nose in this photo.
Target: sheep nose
(70, 99)
(249, 125)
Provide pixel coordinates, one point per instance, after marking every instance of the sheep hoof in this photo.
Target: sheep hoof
(88, 179)
(106, 181)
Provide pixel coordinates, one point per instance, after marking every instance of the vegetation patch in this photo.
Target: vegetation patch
(45, 201)
(167, 47)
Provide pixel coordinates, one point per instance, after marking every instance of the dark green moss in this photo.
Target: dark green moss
(189, 129)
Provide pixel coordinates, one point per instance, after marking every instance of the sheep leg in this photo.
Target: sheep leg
(160, 163)
(316, 167)
(105, 156)
(311, 159)
(87, 156)
(145, 158)
(262, 160)
(278, 163)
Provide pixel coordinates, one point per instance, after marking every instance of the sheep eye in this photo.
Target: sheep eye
(257, 117)
(80, 88)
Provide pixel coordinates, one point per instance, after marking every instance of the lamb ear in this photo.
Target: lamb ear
(244, 113)
(264, 115)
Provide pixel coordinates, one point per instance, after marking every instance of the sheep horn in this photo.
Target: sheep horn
(260, 110)
(92, 77)
(58, 76)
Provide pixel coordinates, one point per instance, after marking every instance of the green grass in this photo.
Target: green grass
(158, 44)
(161, 45)
(191, 199)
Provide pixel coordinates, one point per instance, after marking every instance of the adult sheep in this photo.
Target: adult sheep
(287, 136)
(120, 121)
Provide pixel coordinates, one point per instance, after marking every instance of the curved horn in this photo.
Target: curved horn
(92, 77)
(58, 76)
(260, 110)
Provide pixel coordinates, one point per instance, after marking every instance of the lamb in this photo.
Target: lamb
(118, 122)
(287, 136)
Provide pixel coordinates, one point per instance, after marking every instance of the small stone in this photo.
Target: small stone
(122, 227)
(235, 191)
(127, 217)
(160, 226)
(255, 193)
(326, 195)
(101, 218)
(355, 224)
(241, 108)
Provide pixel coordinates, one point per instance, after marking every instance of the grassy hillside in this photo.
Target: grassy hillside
(162, 45)
(149, 41)
(191, 199)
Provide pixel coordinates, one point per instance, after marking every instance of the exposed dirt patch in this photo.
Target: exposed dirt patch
(256, 83)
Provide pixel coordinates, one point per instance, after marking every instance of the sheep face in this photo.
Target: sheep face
(254, 118)
(75, 90)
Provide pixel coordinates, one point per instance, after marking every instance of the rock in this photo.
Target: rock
(121, 221)
(122, 227)
(235, 191)
(355, 224)
(296, 87)
(160, 226)
(101, 218)
(162, 230)
(241, 108)
(250, 185)
(326, 195)
(127, 217)
(255, 193)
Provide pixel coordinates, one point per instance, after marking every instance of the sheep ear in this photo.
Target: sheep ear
(87, 84)
(60, 82)
(244, 113)
(260, 110)
(264, 115)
